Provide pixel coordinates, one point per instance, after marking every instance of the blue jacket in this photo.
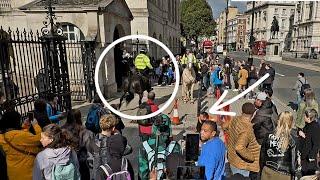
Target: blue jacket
(53, 116)
(214, 77)
(212, 157)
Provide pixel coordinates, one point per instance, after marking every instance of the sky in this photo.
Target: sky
(219, 5)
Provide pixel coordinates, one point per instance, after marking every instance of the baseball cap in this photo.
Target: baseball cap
(262, 96)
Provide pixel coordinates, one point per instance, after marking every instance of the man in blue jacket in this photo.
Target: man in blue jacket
(217, 78)
(52, 109)
(213, 152)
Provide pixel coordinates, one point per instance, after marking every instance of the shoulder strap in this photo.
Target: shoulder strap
(17, 149)
(171, 147)
(302, 82)
(147, 147)
(106, 168)
(124, 164)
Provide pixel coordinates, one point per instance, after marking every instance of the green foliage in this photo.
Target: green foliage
(196, 19)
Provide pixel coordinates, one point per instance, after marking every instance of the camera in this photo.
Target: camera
(158, 120)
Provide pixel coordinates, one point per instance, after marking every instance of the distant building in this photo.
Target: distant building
(306, 33)
(237, 33)
(221, 23)
(264, 11)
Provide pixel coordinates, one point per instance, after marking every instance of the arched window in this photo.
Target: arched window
(72, 32)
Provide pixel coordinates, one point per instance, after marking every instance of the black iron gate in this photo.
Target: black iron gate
(31, 66)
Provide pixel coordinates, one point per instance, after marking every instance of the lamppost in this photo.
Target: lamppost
(251, 41)
(137, 43)
(226, 29)
(51, 28)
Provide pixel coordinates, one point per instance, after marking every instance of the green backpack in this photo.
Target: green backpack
(65, 172)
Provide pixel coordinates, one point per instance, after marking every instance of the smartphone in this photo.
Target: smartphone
(30, 116)
(192, 147)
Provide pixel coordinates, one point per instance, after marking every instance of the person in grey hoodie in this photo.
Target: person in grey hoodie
(297, 87)
(58, 144)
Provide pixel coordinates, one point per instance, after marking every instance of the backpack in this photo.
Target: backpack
(65, 172)
(162, 156)
(220, 74)
(93, 118)
(304, 86)
(121, 175)
(145, 125)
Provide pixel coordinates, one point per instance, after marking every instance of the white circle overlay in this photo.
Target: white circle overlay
(132, 37)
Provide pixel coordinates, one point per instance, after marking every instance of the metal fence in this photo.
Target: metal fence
(31, 66)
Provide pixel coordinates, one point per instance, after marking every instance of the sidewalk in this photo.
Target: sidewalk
(311, 64)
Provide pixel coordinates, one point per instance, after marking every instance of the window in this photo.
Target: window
(72, 32)
(283, 23)
(292, 11)
(276, 11)
(284, 11)
(241, 33)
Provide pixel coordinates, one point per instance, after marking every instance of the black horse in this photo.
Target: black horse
(135, 83)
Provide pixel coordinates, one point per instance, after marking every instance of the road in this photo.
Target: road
(286, 77)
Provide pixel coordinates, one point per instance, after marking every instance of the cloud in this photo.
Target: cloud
(219, 5)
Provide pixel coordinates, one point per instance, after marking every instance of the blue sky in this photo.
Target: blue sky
(219, 5)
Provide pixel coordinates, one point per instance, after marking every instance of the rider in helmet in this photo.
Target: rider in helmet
(142, 62)
(143, 65)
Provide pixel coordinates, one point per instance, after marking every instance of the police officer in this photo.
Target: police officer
(142, 63)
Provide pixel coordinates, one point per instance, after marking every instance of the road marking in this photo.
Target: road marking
(280, 74)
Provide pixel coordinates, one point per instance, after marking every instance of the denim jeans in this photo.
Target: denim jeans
(206, 81)
(243, 172)
(299, 99)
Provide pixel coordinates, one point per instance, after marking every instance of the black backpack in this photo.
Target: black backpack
(304, 86)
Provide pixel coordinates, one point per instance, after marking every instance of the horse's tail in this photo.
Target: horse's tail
(128, 89)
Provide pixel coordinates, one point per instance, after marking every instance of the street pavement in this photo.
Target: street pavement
(286, 77)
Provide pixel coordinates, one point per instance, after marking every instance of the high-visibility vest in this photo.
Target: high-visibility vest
(142, 61)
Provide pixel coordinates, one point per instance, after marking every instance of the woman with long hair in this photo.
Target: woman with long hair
(58, 158)
(82, 137)
(278, 151)
(309, 102)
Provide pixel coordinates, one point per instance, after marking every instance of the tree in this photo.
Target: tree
(196, 19)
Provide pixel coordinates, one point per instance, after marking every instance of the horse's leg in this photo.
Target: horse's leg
(140, 98)
(121, 99)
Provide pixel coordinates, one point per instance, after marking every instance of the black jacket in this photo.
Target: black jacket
(311, 144)
(270, 79)
(272, 156)
(262, 121)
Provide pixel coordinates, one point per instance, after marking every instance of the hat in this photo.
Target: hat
(262, 96)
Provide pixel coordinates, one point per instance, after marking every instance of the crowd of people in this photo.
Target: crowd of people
(261, 143)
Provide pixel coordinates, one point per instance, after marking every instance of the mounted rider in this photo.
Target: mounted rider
(188, 58)
(143, 66)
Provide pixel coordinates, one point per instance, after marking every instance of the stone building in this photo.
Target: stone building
(102, 21)
(159, 19)
(221, 23)
(306, 32)
(264, 11)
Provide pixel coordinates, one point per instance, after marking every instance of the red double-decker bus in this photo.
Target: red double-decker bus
(259, 48)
